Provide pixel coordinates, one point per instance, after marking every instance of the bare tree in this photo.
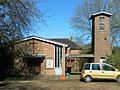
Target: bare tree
(17, 18)
(80, 20)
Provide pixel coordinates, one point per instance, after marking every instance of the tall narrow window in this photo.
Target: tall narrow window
(102, 23)
(58, 56)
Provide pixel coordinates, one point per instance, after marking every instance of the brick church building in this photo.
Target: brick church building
(57, 56)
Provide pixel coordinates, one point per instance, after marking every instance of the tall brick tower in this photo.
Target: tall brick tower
(100, 35)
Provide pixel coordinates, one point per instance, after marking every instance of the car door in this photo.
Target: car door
(108, 71)
(96, 71)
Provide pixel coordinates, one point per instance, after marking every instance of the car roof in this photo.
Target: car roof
(95, 63)
(99, 63)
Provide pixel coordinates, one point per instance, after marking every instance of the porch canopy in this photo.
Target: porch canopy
(34, 57)
(80, 56)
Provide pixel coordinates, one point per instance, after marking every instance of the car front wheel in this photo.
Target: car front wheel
(118, 79)
(88, 79)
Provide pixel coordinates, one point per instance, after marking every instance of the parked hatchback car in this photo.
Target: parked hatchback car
(99, 71)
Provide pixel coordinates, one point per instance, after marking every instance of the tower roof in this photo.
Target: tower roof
(100, 13)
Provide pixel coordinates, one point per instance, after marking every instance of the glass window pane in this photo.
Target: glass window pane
(95, 67)
(108, 68)
(58, 56)
(102, 23)
(87, 67)
(102, 19)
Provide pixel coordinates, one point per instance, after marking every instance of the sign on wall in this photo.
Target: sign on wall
(49, 63)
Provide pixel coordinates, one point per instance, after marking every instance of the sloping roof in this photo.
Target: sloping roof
(100, 13)
(42, 39)
(34, 57)
(80, 56)
(67, 41)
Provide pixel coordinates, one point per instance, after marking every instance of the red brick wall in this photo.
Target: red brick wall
(39, 48)
(101, 46)
(75, 51)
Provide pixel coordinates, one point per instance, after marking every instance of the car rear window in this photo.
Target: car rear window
(95, 67)
(87, 67)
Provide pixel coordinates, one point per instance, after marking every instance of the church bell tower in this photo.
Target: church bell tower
(100, 36)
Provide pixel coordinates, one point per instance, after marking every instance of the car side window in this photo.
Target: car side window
(95, 67)
(87, 67)
(108, 68)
